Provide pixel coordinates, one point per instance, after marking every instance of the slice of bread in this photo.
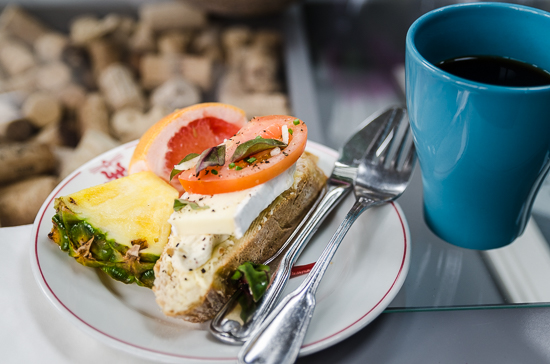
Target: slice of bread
(199, 294)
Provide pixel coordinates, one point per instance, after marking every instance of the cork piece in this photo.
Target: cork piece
(198, 70)
(94, 114)
(175, 93)
(259, 71)
(53, 76)
(157, 69)
(143, 39)
(172, 15)
(71, 96)
(49, 135)
(234, 39)
(259, 104)
(20, 130)
(21, 160)
(130, 124)
(208, 43)
(92, 144)
(103, 53)
(174, 42)
(80, 63)
(268, 40)
(19, 23)
(231, 91)
(125, 29)
(24, 82)
(127, 124)
(16, 57)
(9, 111)
(119, 87)
(87, 28)
(236, 36)
(49, 46)
(20, 202)
(69, 129)
(42, 109)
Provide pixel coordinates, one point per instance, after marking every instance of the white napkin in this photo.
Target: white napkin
(31, 329)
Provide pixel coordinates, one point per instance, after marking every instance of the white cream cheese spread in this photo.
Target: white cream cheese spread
(190, 252)
(195, 232)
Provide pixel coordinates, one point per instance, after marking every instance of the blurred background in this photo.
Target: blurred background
(80, 77)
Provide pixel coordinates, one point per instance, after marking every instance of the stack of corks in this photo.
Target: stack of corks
(66, 98)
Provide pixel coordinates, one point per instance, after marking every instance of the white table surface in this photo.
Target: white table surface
(31, 329)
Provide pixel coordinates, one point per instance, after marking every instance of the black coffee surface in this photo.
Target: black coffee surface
(495, 70)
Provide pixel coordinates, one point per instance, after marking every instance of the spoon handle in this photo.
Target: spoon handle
(280, 337)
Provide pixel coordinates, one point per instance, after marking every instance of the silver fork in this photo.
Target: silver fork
(382, 176)
(339, 184)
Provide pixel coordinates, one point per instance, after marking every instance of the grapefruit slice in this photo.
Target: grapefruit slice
(189, 130)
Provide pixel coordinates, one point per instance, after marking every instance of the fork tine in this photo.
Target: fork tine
(404, 146)
(384, 137)
(410, 157)
(394, 147)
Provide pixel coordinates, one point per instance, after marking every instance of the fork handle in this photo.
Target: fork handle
(280, 337)
(238, 334)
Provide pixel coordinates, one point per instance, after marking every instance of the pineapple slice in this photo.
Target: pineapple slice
(120, 227)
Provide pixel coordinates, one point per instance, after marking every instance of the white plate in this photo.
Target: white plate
(367, 272)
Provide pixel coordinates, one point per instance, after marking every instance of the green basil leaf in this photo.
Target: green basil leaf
(211, 157)
(180, 203)
(188, 157)
(257, 278)
(255, 146)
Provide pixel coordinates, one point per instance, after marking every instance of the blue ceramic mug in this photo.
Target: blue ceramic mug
(483, 149)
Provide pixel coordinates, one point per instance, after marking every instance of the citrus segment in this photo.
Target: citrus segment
(263, 166)
(159, 148)
(197, 136)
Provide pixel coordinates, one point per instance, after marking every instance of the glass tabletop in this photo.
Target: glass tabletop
(356, 52)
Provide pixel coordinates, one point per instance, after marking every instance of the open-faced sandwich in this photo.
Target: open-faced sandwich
(242, 199)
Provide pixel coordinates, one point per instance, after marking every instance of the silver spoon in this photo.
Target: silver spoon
(382, 176)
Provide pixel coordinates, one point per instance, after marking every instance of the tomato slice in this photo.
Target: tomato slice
(222, 179)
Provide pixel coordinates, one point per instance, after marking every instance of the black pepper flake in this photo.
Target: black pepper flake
(203, 271)
(185, 278)
(267, 161)
(239, 142)
(190, 269)
(286, 155)
(178, 244)
(203, 239)
(207, 172)
(184, 256)
(213, 210)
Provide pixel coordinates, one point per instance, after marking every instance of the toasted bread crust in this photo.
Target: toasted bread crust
(263, 239)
